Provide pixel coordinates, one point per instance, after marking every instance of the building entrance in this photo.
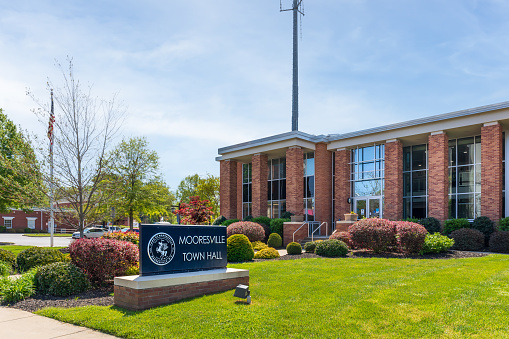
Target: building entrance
(368, 207)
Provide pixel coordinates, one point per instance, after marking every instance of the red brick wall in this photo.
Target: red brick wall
(323, 184)
(20, 219)
(133, 299)
(491, 172)
(289, 228)
(342, 185)
(438, 180)
(260, 176)
(239, 191)
(393, 207)
(228, 188)
(295, 180)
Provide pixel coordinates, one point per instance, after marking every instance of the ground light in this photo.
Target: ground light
(242, 291)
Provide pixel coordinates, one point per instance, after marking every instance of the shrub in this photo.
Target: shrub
(252, 230)
(5, 269)
(331, 248)
(229, 222)
(3, 229)
(10, 230)
(411, 220)
(219, 220)
(61, 279)
(14, 290)
(239, 248)
(262, 220)
(410, 236)
(468, 239)
(36, 231)
(276, 225)
(484, 225)
(27, 230)
(8, 257)
(499, 242)
(248, 218)
(503, 224)
(103, 259)
(267, 253)
(133, 270)
(275, 240)
(258, 245)
(343, 236)
(19, 230)
(310, 246)
(436, 243)
(376, 234)
(286, 215)
(432, 225)
(294, 248)
(38, 256)
(452, 225)
(131, 237)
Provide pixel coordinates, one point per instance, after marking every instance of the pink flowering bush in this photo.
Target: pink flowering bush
(343, 236)
(252, 230)
(376, 234)
(410, 236)
(103, 259)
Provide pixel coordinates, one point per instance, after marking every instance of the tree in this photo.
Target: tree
(84, 128)
(196, 212)
(187, 188)
(20, 176)
(208, 189)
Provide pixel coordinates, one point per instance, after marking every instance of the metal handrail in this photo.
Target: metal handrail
(326, 230)
(293, 236)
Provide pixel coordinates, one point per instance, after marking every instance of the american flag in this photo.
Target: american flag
(51, 121)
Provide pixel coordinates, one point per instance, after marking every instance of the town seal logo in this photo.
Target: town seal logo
(161, 249)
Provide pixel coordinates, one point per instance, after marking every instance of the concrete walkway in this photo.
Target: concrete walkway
(16, 324)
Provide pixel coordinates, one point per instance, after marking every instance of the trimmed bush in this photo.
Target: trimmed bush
(503, 224)
(219, 220)
(248, 218)
(468, 239)
(258, 245)
(252, 230)
(133, 270)
(452, 225)
(239, 248)
(410, 236)
(8, 257)
(331, 248)
(432, 225)
(275, 240)
(343, 236)
(310, 246)
(376, 234)
(294, 248)
(38, 256)
(3, 229)
(499, 242)
(286, 215)
(484, 225)
(5, 269)
(276, 225)
(61, 279)
(27, 230)
(229, 222)
(436, 243)
(411, 220)
(10, 230)
(103, 259)
(262, 220)
(131, 237)
(19, 230)
(267, 253)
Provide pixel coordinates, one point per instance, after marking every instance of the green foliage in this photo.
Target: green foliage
(286, 215)
(38, 256)
(452, 225)
(267, 253)
(219, 220)
(229, 222)
(208, 189)
(503, 224)
(484, 225)
(133, 270)
(5, 269)
(3, 229)
(468, 239)
(331, 248)
(61, 279)
(411, 220)
(27, 230)
(248, 218)
(262, 220)
(187, 188)
(275, 240)
(14, 290)
(276, 225)
(499, 242)
(239, 248)
(8, 257)
(310, 246)
(294, 248)
(436, 243)
(258, 245)
(432, 225)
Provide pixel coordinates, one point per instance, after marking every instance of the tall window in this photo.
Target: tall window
(368, 171)
(309, 186)
(31, 222)
(276, 199)
(415, 181)
(247, 170)
(465, 178)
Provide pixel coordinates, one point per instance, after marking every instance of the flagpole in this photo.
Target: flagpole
(50, 134)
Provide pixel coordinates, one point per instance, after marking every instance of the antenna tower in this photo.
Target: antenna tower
(297, 8)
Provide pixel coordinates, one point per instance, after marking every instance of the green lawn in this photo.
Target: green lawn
(46, 235)
(332, 298)
(18, 248)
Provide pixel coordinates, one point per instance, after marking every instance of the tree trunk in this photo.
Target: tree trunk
(131, 212)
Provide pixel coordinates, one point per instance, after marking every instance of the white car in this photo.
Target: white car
(91, 232)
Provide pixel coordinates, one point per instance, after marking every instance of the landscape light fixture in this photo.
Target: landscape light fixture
(242, 291)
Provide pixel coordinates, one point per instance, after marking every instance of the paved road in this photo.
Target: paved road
(20, 239)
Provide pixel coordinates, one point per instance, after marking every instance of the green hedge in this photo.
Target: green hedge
(38, 256)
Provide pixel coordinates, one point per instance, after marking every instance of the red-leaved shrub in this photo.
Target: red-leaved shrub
(103, 259)
(410, 236)
(252, 230)
(376, 234)
(499, 242)
(343, 236)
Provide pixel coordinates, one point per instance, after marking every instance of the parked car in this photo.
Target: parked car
(90, 232)
(137, 230)
(110, 229)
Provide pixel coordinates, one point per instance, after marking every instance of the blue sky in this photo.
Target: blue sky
(199, 75)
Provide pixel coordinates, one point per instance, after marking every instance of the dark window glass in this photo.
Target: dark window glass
(419, 183)
(406, 184)
(282, 169)
(310, 187)
(452, 153)
(419, 207)
(269, 190)
(465, 179)
(465, 151)
(406, 159)
(452, 206)
(419, 157)
(282, 189)
(275, 190)
(275, 209)
(406, 208)
(452, 180)
(466, 206)
(246, 196)
(275, 168)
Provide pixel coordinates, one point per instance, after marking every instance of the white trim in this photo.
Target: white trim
(28, 222)
(506, 173)
(437, 132)
(8, 218)
(493, 123)
(391, 140)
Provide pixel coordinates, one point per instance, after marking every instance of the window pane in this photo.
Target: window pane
(452, 207)
(466, 151)
(275, 209)
(368, 153)
(465, 179)
(418, 157)
(282, 205)
(419, 208)
(310, 165)
(452, 180)
(478, 206)
(275, 190)
(418, 183)
(269, 210)
(309, 210)
(282, 189)
(269, 190)
(406, 159)
(406, 208)
(245, 173)
(245, 193)
(452, 153)
(275, 168)
(282, 168)
(246, 210)
(368, 188)
(406, 185)
(310, 187)
(269, 172)
(478, 178)
(466, 206)
(478, 151)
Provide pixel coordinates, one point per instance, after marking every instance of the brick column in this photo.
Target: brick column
(438, 176)
(295, 180)
(228, 188)
(323, 183)
(491, 171)
(393, 207)
(239, 191)
(260, 177)
(342, 187)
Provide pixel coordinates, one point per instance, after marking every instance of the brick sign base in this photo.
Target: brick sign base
(140, 293)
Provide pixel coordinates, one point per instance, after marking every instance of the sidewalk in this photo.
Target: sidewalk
(16, 324)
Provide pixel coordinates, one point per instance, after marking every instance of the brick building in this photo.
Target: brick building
(444, 166)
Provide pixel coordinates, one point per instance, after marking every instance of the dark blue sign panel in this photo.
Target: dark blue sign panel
(166, 249)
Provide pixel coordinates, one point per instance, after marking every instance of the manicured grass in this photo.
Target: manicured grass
(332, 298)
(18, 248)
(46, 235)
